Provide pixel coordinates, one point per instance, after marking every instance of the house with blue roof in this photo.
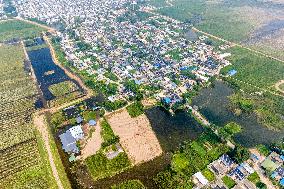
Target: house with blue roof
(226, 160)
(222, 165)
(282, 182)
(167, 100)
(69, 139)
(238, 173)
(232, 72)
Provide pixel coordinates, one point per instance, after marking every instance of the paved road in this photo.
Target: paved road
(51, 30)
(258, 169)
(237, 44)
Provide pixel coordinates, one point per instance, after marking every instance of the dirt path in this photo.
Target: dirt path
(93, 144)
(277, 86)
(51, 30)
(236, 44)
(40, 123)
(71, 75)
(39, 118)
(261, 89)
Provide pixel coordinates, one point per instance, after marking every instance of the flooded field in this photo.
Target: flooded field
(49, 74)
(214, 105)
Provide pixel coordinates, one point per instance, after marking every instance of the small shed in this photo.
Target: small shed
(201, 178)
(167, 100)
(79, 119)
(282, 182)
(72, 158)
(232, 72)
(92, 122)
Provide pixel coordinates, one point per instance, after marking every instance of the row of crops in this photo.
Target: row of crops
(64, 92)
(18, 145)
(18, 157)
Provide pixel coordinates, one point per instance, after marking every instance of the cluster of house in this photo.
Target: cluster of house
(274, 165)
(3, 15)
(70, 138)
(152, 51)
(271, 166)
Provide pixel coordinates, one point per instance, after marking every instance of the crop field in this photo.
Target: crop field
(255, 23)
(56, 86)
(64, 92)
(18, 29)
(20, 155)
(255, 69)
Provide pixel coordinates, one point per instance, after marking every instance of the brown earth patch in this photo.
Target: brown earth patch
(136, 136)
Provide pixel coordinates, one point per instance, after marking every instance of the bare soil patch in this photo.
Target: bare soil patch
(279, 86)
(93, 144)
(136, 136)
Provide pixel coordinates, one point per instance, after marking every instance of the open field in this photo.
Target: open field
(255, 23)
(18, 29)
(136, 136)
(280, 86)
(23, 158)
(255, 69)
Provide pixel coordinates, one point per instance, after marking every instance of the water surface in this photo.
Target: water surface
(214, 105)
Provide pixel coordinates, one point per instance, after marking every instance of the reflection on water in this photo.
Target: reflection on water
(213, 104)
(171, 131)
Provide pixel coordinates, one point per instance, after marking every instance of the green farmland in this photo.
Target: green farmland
(235, 21)
(23, 158)
(11, 29)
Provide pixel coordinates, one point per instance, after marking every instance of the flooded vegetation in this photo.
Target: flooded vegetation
(214, 104)
(171, 132)
(52, 80)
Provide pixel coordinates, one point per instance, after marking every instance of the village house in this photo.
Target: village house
(69, 139)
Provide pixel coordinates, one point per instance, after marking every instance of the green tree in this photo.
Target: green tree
(261, 185)
(240, 154)
(57, 119)
(229, 130)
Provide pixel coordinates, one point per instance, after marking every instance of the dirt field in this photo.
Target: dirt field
(136, 136)
(278, 86)
(93, 144)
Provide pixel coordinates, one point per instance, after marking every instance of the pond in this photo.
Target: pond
(214, 104)
(171, 131)
(46, 71)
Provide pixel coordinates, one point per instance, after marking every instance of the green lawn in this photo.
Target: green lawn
(254, 178)
(100, 167)
(18, 29)
(230, 183)
(107, 134)
(209, 175)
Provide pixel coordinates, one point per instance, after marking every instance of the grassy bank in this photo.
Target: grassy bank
(18, 29)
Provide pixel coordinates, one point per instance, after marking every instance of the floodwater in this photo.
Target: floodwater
(46, 71)
(213, 103)
(171, 131)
